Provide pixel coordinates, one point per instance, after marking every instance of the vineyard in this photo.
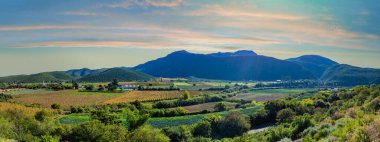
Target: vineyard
(65, 98)
(149, 96)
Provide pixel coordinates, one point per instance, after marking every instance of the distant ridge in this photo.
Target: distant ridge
(348, 75)
(240, 65)
(122, 74)
(237, 53)
(314, 63)
(39, 77)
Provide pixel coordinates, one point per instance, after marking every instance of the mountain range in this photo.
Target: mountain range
(241, 65)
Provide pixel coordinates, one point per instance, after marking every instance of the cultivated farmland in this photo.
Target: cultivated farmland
(149, 96)
(65, 98)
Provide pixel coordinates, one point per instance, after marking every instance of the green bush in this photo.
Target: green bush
(285, 115)
(202, 129)
(178, 134)
(42, 115)
(148, 134)
(234, 124)
(220, 106)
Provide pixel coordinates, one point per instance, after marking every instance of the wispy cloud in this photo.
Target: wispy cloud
(41, 27)
(83, 13)
(225, 11)
(147, 3)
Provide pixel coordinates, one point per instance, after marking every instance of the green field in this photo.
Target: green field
(182, 84)
(158, 122)
(192, 119)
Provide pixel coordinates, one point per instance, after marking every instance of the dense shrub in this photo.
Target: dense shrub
(148, 134)
(220, 106)
(105, 117)
(56, 106)
(42, 115)
(97, 131)
(285, 115)
(234, 124)
(178, 134)
(202, 129)
(5, 97)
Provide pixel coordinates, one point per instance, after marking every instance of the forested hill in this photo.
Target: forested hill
(349, 75)
(224, 66)
(122, 74)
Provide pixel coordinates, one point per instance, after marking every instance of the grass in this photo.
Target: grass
(205, 106)
(73, 119)
(182, 84)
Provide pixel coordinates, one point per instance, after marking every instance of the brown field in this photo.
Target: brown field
(205, 106)
(65, 98)
(149, 96)
(17, 107)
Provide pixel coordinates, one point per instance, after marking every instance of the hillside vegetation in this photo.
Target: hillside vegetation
(39, 77)
(349, 75)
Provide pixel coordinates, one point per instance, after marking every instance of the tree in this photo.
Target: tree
(285, 115)
(42, 115)
(56, 106)
(105, 117)
(233, 125)
(113, 85)
(202, 129)
(135, 120)
(221, 106)
(100, 88)
(148, 134)
(5, 97)
(186, 95)
(96, 131)
(179, 134)
(75, 85)
(89, 87)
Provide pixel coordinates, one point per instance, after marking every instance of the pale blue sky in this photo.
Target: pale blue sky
(48, 35)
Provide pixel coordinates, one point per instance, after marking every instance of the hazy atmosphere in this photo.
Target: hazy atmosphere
(42, 35)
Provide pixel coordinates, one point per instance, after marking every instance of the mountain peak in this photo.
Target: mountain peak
(245, 53)
(179, 52)
(237, 53)
(313, 58)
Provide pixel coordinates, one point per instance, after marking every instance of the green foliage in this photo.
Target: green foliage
(178, 134)
(89, 87)
(76, 109)
(105, 117)
(56, 106)
(221, 106)
(148, 134)
(5, 97)
(202, 129)
(113, 85)
(96, 131)
(134, 119)
(285, 115)
(186, 95)
(234, 124)
(42, 115)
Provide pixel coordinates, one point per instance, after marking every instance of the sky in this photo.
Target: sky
(51, 35)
